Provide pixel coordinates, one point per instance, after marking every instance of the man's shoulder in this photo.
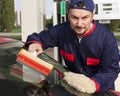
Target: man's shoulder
(63, 23)
(62, 26)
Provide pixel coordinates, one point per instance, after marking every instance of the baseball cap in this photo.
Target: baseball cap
(82, 4)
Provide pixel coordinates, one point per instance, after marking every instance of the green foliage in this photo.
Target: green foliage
(113, 25)
(117, 37)
(16, 29)
(57, 0)
(7, 15)
(49, 22)
(0, 8)
(15, 37)
(0, 13)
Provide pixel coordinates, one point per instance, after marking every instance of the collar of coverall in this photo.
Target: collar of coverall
(89, 32)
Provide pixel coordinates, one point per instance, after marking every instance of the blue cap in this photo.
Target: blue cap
(82, 4)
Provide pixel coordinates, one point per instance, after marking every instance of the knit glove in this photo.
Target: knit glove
(79, 82)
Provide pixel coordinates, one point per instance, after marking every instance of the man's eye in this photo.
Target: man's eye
(74, 17)
(84, 18)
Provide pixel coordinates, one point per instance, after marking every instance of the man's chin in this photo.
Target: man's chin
(79, 33)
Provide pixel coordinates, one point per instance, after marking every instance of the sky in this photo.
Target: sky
(48, 7)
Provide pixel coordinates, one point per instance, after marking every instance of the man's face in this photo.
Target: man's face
(80, 20)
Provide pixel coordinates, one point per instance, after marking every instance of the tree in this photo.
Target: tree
(8, 15)
(113, 25)
(0, 13)
(0, 8)
(57, 0)
(49, 22)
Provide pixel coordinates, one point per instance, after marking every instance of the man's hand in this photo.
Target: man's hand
(79, 82)
(35, 47)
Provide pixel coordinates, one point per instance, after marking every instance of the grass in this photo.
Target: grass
(15, 37)
(117, 38)
(17, 29)
(118, 29)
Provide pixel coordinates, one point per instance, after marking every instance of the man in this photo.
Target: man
(89, 49)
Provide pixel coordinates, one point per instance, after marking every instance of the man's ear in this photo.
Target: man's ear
(93, 16)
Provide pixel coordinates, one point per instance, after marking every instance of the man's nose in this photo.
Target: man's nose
(79, 22)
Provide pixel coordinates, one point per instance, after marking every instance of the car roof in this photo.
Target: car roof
(6, 40)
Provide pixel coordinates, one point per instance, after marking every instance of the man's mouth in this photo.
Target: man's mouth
(79, 29)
